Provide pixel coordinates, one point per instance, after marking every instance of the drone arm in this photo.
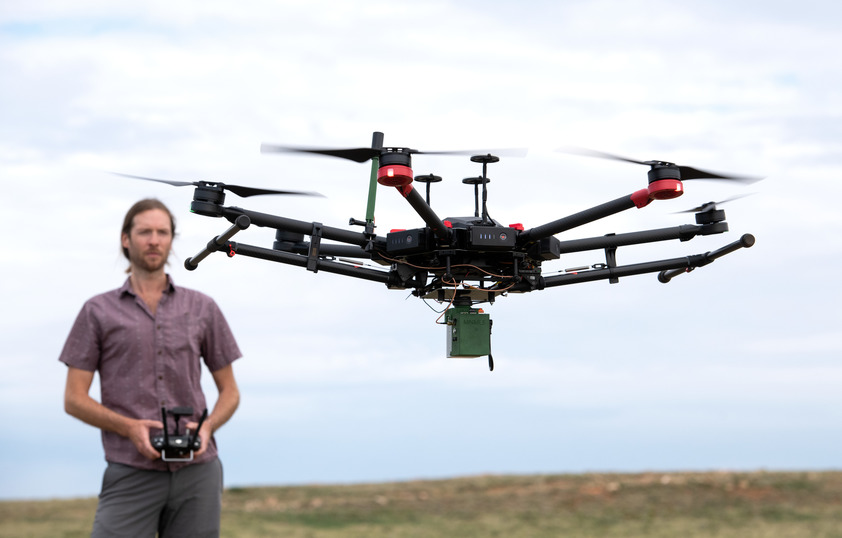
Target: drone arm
(578, 219)
(327, 266)
(682, 233)
(297, 226)
(669, 267)
(218, 243)
(426, 212)
(346, 251)
(746, 241)
(606, 273)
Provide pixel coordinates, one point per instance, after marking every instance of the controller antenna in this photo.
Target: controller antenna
(164, 420)
(198, 427)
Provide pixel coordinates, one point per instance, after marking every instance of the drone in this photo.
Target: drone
(462, 261)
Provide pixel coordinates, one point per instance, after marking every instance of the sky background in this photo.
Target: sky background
(735, 366)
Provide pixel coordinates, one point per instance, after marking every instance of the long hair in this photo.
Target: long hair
(140, 207)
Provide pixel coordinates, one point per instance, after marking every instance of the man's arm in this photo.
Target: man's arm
(78, 403)
(226, 404)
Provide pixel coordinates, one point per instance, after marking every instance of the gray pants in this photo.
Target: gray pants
(138, 503)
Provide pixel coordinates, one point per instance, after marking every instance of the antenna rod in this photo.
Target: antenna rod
(484, 192)
(198, 427)
(476, 201)
(164, 420)
(376, 143)
(485, 160)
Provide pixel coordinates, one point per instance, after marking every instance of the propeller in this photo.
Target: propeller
(361, 155)
(712, 205)
(239, 190)
(686, 172)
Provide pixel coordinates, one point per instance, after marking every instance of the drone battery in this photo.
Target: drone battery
(406, 241)
(469, 332)
(548, 248)
(493, 237)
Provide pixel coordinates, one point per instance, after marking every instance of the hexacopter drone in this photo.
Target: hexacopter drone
(459, 261)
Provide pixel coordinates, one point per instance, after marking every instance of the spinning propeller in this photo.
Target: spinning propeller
(239, 190)
(358, 155)
(711, 206)
(663, 169)
(395, 163)
(361, 155)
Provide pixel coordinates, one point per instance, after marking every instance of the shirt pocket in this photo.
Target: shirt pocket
(186, 335)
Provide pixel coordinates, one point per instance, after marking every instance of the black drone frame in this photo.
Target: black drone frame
(461, 260)
(537, 244)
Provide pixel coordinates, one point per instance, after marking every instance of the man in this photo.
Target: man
(145, 339)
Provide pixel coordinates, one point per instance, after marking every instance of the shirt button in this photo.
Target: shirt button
(160, 377)
(159, 352)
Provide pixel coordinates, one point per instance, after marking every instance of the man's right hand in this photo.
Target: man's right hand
(139, 435)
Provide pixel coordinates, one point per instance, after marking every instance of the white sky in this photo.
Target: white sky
(733, 366)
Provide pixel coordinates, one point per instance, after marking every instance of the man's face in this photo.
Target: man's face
(149, 240)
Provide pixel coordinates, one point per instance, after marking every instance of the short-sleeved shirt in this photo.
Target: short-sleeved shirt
(148, 361)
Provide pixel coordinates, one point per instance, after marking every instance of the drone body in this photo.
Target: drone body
(467, 260)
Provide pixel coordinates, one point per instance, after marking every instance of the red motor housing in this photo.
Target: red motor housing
(395, 167)
(666, 189)
(394, 175)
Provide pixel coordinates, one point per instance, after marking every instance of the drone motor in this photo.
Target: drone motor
(664, 181)
(395, 167)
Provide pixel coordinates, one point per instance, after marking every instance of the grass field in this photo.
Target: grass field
(720, 504)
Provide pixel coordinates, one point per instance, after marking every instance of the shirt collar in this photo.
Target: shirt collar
(126, 288)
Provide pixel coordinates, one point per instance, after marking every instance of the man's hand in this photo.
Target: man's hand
(205, 434)
(139, 434)
(79, 404)
(226, 404)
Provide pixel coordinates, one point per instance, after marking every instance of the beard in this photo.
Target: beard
(147, 262)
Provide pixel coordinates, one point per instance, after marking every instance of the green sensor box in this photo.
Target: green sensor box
(468, 332)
